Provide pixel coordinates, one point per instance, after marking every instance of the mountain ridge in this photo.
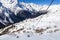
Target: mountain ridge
(17, 12)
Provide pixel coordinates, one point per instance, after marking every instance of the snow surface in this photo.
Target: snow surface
(43, 27)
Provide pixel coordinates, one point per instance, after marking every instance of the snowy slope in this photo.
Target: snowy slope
(43, 27)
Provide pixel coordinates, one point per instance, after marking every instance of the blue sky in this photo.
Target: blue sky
(40, 1)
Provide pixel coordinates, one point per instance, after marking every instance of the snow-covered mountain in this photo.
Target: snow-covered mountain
(30, 23)
(12, 12)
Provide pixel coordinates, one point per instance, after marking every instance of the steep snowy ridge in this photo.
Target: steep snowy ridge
(15, 12)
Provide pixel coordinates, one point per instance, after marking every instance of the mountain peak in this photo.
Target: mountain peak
(8, 3)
